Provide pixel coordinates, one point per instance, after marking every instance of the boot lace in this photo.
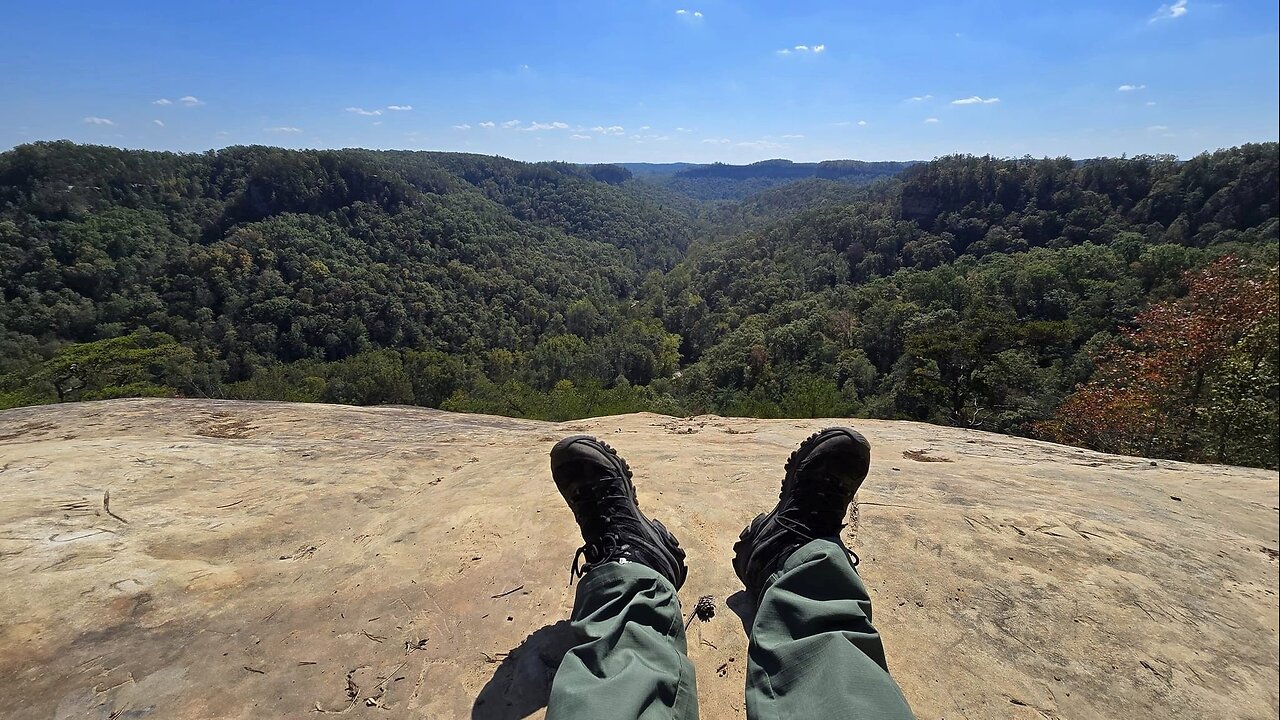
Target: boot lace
(617, 524)
(801, 520)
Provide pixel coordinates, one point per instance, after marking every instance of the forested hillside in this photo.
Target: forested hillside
(1127, 304)
(720, 181)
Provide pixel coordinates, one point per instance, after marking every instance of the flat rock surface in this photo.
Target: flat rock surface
(211, 559)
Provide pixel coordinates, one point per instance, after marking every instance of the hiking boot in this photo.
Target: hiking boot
(596, 483)
(822, 476)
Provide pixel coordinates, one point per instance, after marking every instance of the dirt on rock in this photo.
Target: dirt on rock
(216, 559)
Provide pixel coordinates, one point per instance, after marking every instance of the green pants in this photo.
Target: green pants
(813, 652)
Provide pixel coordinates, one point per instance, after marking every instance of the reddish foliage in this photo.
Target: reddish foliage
(1154, 392)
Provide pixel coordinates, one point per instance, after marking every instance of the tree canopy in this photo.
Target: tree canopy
(1050, 298)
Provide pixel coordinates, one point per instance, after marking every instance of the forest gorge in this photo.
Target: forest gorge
(1124, 304)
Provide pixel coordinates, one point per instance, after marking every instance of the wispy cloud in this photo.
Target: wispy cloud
(91, 120)
(191, 101)
(792, 137)
(716, 141)
(362, 111)
(1130, 88)
(487, 124)
(975, 100)
(689, 13)
(1150, 103)
(511, 124)
(158, 123)
(931, 121)
(399, 108)
(919, 98)
(802, 49)
(611, 130)
(579, 136)
(283, 129)
(162, 101)
(536, 126)
(1170, 12)
(1157, 128)
(463, 126)
(683, 129)
(862, 123)
(760, 144)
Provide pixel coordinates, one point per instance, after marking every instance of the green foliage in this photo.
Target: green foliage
(966, 291)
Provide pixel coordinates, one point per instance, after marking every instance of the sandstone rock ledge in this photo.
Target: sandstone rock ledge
(211, 559)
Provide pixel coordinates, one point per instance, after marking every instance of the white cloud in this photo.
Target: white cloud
(931, 121)
(975, 100)
(716, 141)
(487, 124)
(862, 123)
(190, 101)
(97, 121)
(697, 13)
(689, 13)
(819, 48)
(802, 48)
(1157, 128)
(533, 127)
(577, 136)
(645, 127)
(1170, 12)
(158, 123)
(661, 138)
(463, 126)
(682, 11)
(681, 129)
(761, 144)
(784, 51)
(221, 134)
(919, 98)
(399, 108)
(611, 130)
(284, 129)
(1150, 103)
(1130, 88)
(162, 101)
(377, 123)
(362, 111)
(511, 124)
(792, 137)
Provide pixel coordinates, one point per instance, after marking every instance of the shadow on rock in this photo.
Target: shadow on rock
(522, 683)
(744, 607)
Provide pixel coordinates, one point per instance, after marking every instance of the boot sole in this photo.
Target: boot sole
(621, 463)
(746, 537)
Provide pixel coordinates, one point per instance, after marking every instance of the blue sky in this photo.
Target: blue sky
(642, 80)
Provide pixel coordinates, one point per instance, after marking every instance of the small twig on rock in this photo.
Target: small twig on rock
(504, 594)
(106, 506)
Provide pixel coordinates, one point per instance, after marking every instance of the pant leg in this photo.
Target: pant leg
(631, 659)
(813, 651)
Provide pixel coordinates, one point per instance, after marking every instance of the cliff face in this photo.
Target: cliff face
(201, 559)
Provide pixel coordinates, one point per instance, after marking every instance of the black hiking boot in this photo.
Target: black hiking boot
(596, 483)
(822, 476)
